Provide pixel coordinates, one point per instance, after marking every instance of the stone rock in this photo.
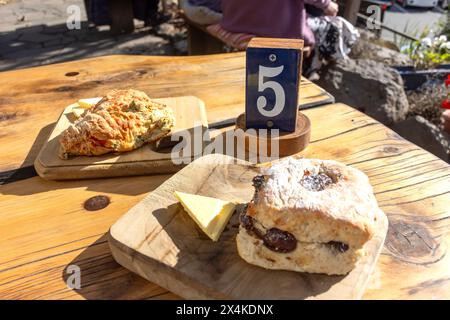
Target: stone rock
(368, 86)
(426, 135)
(369, 46)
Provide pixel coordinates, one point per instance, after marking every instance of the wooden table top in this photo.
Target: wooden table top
(44, 227)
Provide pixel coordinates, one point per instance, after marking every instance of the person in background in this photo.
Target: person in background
(202, 12)
(326, 36)
(273, 18)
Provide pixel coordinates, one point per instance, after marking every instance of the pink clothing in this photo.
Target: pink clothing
(270, 18)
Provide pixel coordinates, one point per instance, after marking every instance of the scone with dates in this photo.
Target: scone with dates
(308, 215)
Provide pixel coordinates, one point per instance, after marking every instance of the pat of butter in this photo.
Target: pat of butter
(211, 215)
(87, 103)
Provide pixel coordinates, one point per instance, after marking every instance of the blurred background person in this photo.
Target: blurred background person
(326, 36)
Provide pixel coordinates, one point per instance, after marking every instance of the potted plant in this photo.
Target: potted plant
(431, 60)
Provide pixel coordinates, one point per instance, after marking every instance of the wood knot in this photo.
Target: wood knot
(96, 203)
(64, 89)
(391, 149)
(412, 243)
(8, 116)
(72, 74)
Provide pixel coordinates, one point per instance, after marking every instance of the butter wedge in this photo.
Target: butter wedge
(211, 215)
(87, 103)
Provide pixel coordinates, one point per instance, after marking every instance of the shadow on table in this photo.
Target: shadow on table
(44, 44)
(128, 185)
(103, 278)
(131, 186)
(129, 182)
(26, 169)
(216, 267)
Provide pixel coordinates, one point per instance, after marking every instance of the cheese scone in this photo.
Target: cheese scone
(121, 121)
(308, 216)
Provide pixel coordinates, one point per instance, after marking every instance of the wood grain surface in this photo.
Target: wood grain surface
(44, 227)
(159, 241)
(259, 42)
(189, 113)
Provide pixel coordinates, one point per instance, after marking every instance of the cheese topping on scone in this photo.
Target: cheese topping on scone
(308, 210)
(122, 121)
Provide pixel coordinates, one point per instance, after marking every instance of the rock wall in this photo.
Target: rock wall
(370, 86)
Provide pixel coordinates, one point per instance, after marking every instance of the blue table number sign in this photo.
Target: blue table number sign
(272, 83)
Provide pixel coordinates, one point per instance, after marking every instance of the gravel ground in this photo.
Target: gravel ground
(34, 32)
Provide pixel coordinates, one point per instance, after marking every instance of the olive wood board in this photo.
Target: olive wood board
(159, 241)
(189, 111)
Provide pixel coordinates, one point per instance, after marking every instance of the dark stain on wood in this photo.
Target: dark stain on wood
(8, 116)
(96, 203)
(391, 149)
(72, 74)
(104, 80)
(82, 86)
(413, 243)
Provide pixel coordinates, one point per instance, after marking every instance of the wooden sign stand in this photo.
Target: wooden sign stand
(289, 143)
(281, 60)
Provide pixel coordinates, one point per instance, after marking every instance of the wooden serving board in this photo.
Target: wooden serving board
(159, 241)
(188, 110)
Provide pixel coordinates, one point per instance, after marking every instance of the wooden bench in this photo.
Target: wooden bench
(200, 41)
(121, 15)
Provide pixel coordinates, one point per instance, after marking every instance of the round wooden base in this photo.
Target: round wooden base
(289, 143)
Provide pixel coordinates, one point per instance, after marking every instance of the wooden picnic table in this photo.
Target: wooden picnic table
(44, 227)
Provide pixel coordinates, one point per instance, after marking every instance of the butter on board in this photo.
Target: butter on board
(210, 214)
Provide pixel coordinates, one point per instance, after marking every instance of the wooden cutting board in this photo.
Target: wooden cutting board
(159, 241)
(189, 111)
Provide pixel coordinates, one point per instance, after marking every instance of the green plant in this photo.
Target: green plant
(429, 52)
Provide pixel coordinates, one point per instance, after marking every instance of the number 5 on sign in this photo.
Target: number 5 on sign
(273, 77)
(280, 96)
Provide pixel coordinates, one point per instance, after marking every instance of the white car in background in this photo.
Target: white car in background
(419, 3)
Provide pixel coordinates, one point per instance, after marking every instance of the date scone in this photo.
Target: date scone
(309, 216)
(122, 121)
